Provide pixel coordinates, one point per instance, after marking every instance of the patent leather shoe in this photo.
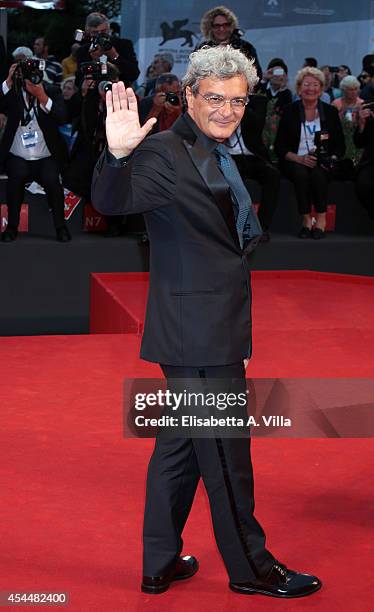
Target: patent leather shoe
(317, 233)
(280, 582)
(184, 568)
(305, 232)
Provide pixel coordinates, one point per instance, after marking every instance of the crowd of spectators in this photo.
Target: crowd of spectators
(319, 129)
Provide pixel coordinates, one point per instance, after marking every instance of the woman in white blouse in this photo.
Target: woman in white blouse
(309, 137)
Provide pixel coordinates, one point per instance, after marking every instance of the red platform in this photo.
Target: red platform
(73, 488)
(303, 321)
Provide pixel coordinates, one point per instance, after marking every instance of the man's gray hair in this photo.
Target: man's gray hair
(95, 19)
(221, 62)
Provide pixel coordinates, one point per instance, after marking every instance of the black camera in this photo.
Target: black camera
(97, 71)
(97, 41)
(236, 38)
(172, 98)
(30, 69)
(324, 159)
(100, 41)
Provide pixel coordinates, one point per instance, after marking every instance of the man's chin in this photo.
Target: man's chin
(223, 133)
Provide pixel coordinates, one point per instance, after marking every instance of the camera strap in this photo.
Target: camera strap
(28, 109)
(312, 131)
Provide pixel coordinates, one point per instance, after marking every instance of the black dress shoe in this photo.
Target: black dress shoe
(305, 232)
(184, 568)
(317, 233)
(280, 582)
(9, 235)
(63, 234)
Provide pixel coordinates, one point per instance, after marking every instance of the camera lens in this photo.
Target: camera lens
(172, 98)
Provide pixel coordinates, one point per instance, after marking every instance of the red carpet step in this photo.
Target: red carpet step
(72, 487)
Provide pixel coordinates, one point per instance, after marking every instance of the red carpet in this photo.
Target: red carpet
(72, 487)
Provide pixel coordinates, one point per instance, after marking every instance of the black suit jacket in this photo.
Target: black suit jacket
(11, 105)
(289, 130)
(365, 140)
(199, 303)
(126, 63)
(283, 97)
(252, 126)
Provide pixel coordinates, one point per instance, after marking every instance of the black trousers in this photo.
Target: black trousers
(46, 173)
(311, 185)
(268, 176)
(365, 187)
(226, 469)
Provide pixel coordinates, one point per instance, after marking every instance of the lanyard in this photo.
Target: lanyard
(311, 132)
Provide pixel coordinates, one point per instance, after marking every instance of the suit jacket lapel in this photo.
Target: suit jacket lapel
(216, 184)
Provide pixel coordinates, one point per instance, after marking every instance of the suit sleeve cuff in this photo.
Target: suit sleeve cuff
(47, 106)
(5, 88)
(116, 162)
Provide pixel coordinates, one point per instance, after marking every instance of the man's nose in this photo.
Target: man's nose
(226, 109)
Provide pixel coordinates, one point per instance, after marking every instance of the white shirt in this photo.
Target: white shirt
(236, 144)
(307, 133)
(40, 150)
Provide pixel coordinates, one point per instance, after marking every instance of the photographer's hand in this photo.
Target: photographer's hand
(37, 91)
(123, 129)
(86, 85)
(9, 79)
(363, 115)
(95, 55)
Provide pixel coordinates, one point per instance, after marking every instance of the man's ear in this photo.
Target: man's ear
(189, 97)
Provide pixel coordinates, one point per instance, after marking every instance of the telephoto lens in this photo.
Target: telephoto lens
(105, 86)
(172, 98)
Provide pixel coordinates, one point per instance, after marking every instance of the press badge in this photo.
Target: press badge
(30, 139)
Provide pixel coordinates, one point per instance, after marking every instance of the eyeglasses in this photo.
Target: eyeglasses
(217, 101)
(311, 85)
(216, 26)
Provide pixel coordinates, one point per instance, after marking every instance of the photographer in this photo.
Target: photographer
(247, 148)
(162, 62)
(219, 26)
(364, 138)
(274, 84)
(53, 68)
(165, 104)
(32, 146)
(90, 134)
(98, 42)
(309, 137)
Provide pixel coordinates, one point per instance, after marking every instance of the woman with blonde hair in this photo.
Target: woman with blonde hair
(219, 26)
(309, 137)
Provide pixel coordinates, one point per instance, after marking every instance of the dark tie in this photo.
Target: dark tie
(247, 223)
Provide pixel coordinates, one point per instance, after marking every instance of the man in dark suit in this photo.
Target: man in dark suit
(119, 51)
(202, 228)
(252, 158)
(32, 147)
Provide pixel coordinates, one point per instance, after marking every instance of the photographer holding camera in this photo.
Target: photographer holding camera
(32, 146)
(165, 104)
(274, 84)
(219, 26)
(97, 42)
(90, 133)
(364, 138)
(309, 138)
